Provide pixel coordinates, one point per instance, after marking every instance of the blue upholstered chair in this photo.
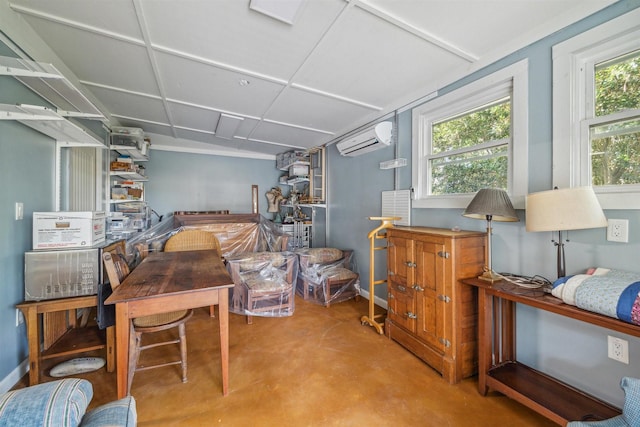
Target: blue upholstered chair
(630, 412)
(63, 403)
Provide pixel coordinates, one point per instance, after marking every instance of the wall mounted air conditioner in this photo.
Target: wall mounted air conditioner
(372, 139)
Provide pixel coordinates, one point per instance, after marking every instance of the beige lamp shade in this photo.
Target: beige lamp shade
(565, 209)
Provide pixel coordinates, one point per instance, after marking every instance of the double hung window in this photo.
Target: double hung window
(596, 135)
(474, 137)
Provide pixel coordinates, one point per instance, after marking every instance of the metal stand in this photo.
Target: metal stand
(376, 234)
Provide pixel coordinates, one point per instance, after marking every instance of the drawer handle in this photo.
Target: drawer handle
(410, 315)
(402, 288)
(418, 288)
(444, 298)
(410, 264)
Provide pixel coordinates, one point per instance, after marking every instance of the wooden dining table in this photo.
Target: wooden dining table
(170, 281)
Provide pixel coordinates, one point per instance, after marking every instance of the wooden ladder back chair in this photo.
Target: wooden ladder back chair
(117, 270)
(194, 240)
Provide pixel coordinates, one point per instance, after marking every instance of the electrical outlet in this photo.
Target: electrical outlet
(618, 349)
(19, 317)
(618, 230)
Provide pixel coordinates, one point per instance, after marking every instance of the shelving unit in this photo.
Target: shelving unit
(130, 214)
(49, 83)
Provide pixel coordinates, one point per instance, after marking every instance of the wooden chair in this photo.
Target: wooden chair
(117, 270)
(194, 240)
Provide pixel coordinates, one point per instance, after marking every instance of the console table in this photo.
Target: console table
(499, 369)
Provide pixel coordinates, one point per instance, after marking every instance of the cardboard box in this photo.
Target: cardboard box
(68, 229)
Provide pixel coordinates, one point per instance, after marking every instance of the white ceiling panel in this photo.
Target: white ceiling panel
(98, 58)
(132, 105)
(367, 59)
(197, 83)
(295, 137)
(259, 44)
(194, 135)
(193, 117)
(119, 17)
(316, 111)
(172, 67)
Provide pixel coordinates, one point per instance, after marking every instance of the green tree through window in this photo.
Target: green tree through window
(615, 142)
(470, 151)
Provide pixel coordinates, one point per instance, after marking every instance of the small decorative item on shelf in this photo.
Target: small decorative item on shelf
(274, 198)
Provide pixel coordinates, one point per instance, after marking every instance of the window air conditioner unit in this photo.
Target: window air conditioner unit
(372, 139)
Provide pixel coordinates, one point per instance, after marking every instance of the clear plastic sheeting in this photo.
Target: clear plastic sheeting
(236, 233)
(327, 275)
(264, 283)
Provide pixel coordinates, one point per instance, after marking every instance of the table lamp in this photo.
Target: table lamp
(492, 204)
(562, 210)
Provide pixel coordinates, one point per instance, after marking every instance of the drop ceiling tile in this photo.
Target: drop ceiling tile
(193, 117)
(228, 31)
(195, 135)
(484, 25)
(131, 105)
(311, 110)
(126, 66)
(201, 84)
(117, 16)
(289, 136)
(369, 60)
(246, 127)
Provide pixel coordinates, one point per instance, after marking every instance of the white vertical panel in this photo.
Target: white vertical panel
(82, 179)
(397, 203)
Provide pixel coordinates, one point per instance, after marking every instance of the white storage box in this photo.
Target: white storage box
(127, 137)
(68, 229)
(297, 170)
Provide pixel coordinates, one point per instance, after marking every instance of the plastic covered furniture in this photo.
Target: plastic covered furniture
(327, 275)
(264, 284)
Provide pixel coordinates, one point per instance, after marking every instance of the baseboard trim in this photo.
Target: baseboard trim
(377, 301)
(12, 379)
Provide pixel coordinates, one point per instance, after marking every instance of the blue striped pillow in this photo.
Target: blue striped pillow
(59, 403)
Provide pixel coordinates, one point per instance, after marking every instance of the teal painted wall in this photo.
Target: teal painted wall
(568, 349)
(26, 174)
(564, 348)
(199, 182)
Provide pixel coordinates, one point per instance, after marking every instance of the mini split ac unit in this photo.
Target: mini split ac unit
(372, 139)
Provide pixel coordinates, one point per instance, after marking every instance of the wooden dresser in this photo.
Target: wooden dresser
(430, 312)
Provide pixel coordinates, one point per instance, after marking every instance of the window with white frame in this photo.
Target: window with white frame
(596, 100)
(471, 138)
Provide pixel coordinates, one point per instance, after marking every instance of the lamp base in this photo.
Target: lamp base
(490, 276)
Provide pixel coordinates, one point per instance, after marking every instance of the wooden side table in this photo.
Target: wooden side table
(500, 370)
(75, 340)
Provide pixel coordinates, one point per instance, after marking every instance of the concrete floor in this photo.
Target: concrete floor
(320, 367)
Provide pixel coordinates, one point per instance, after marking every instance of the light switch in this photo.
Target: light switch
(19, 211)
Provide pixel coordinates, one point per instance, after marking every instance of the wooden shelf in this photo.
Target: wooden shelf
(554, 399)
(76, 340)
